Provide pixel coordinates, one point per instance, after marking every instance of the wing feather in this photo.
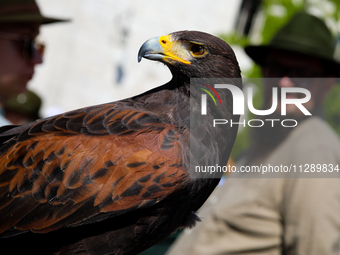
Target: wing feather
(67, 169)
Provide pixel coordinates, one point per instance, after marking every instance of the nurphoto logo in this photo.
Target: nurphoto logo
(204, 98)
(239, 104)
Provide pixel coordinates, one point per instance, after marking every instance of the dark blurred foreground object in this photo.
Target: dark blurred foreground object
(114, 178)
(22, 108)
(247, 13)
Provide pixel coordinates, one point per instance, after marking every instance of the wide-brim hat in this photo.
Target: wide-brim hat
(305, 34)
(15, 11)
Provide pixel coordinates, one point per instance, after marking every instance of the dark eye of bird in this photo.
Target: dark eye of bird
(197, 50)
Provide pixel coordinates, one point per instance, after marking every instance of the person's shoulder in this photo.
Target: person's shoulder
(316, 130)
(314, 142)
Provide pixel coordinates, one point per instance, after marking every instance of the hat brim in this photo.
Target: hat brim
(30, 18)
(259, 54)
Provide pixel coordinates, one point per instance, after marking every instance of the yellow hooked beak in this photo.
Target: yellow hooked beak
(164, 49)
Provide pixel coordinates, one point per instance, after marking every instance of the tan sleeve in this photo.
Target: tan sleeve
(242, 221)
(311, 206)
(311, 216)
(275, 216)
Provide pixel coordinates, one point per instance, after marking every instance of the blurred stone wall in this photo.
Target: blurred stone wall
(93, 59)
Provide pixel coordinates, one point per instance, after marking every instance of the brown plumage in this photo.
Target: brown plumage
(114, 178)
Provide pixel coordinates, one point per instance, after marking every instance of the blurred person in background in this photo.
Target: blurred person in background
(20, 21)
(252, 214)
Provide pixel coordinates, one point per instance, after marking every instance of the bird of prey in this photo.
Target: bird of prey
(114, 178)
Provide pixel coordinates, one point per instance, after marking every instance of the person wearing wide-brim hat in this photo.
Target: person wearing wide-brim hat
(303, 48)
(303, 34)
(20, 21)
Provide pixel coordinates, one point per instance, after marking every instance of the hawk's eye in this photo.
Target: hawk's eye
(198, 50)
